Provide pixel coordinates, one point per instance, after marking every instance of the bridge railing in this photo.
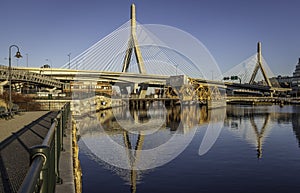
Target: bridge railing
(43, 173)
(25, 75)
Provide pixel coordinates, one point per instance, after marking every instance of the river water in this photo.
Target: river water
(191, 149)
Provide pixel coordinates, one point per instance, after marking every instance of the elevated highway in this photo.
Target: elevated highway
(255, 87)
(66, 75)
(21, 75)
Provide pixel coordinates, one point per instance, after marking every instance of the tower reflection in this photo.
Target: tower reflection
(244, 122)
(138, 130)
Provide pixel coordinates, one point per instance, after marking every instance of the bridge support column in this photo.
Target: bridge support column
(172, 103)
(123, 90)
(136, 116)
(136, 88)
(143, 91)
(148, 104)
(131, 104)
(144, 105)
(1, 89)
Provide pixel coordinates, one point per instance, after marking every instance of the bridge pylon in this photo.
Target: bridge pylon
(259, 66)
(133, 46)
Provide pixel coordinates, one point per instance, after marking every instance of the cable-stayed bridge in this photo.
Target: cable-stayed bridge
(175, 62)
(253, 75)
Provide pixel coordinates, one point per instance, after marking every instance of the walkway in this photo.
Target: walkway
(66, 164)
(14, 149)
(7, 127)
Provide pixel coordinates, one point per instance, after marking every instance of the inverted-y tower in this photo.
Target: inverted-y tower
(259, 66)
(133, 46)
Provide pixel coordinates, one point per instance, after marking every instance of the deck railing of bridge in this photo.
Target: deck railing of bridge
(43, 173)
(25, 75)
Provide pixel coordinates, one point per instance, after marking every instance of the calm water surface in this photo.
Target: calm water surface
(257, 150)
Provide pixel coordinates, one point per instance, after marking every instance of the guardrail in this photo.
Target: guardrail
(25, 75)
(43, 173)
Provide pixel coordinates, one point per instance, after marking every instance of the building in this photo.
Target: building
(296, 80)
(289, 81)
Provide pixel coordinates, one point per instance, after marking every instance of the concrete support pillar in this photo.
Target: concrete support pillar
(135, 116)
(136, 88)
(143, 91)
(132, 104)
(143, 105)
(123, 90)
(1, 89)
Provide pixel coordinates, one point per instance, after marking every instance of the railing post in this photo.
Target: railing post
(42, 150)
(60, 131)
(57, 148)
(66, 111)
(63, 120)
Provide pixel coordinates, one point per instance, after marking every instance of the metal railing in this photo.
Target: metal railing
(43, 173)
(25, 75)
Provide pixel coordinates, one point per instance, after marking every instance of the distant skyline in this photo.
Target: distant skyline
(47, 31)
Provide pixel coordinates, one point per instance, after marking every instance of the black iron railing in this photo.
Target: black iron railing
(43, 173)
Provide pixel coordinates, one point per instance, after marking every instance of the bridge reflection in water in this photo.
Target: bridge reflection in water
(138, 130)
(254, 123)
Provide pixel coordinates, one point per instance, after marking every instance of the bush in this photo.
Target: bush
(24, 102)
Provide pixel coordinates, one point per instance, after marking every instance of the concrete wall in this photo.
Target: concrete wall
(51, 105)
(93, 104)
(83, 106)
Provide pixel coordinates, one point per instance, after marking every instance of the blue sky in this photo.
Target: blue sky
(230, 29)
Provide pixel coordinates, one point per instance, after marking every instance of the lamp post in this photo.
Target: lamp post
(18, 55)
(27, 60)
(69, 60)
(50, 61)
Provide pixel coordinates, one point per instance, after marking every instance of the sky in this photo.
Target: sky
(46, 31)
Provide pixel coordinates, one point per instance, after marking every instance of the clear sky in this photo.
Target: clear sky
(230, 29)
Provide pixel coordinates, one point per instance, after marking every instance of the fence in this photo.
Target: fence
(43, 173)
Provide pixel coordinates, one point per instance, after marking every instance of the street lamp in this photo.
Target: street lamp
(27, 60)
(18, 55)
(69, 60)
(50, 61)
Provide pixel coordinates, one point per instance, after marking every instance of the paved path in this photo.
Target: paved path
(17, 135)
(23, 132)
(18, 122)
